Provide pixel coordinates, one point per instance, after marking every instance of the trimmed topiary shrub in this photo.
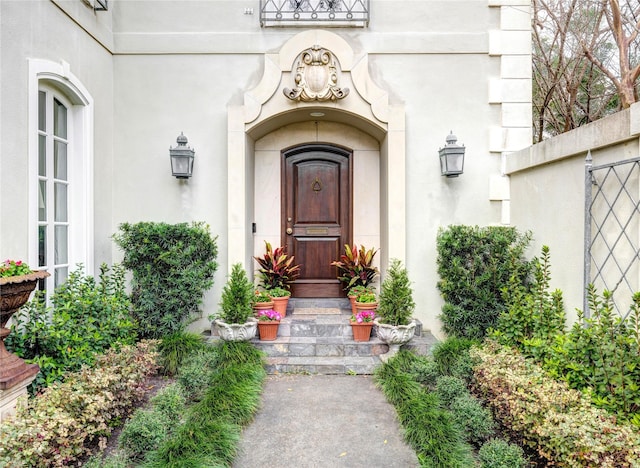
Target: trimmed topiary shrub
(474, 420)
(474, 265)
(498, 453)
(449, 388)
(173, 265)
(396, 303)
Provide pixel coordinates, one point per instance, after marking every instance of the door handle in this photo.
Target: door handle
(289, 231)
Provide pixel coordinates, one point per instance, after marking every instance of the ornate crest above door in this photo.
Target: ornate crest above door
(316, 77)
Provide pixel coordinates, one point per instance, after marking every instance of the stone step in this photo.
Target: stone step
(333, 346)
(322, 365)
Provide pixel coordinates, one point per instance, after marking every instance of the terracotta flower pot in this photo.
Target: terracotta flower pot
(268, 329)
(361, 331)
(258, 306)
(352, 300)
(360, 306)
(280, 305)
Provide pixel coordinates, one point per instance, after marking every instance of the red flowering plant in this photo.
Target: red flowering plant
(13, 268)
(269, 316)
(364, 316)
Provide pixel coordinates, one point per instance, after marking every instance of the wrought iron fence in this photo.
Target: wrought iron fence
(612, 231)
(354, 13)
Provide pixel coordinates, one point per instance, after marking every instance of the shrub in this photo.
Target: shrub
(86, 319)
(557, 422)
(195, 374)
(449, 388)
(173, 265)
(396, 296)
(474, 265)
(277, 269)
(498, 453)
(452, 357)
(474, 420)
(355, 267)
(145, 431)
(57, 427)
(170, 403)
(237, 297)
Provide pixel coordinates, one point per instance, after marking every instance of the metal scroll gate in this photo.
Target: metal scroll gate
(612, 231)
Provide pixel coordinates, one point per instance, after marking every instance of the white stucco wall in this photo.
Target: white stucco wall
(156, 69)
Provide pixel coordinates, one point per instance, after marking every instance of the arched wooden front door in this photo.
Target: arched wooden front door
(316, 214)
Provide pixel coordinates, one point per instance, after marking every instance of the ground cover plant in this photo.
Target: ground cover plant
(86, 317)
(474, 264)
(172, 265)
(68, 420)
(216, 393)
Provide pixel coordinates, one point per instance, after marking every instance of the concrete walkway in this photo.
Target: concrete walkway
(309, 421)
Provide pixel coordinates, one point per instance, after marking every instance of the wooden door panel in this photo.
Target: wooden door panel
(316, 215)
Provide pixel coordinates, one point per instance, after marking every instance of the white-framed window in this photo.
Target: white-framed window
(61, 172)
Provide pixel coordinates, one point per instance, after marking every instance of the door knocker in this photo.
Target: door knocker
(317, 185)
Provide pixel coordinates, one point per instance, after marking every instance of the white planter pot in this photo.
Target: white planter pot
(394, 336)
(236, 331)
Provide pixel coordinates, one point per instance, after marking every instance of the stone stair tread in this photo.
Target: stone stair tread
(322, 364)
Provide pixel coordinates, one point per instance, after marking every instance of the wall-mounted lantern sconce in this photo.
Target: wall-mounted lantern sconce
(451, 157)
(182, 157)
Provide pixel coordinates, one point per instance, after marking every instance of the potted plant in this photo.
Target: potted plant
(366, 301)
(268, 323)
(361, 324)
(234, 321)
(280, 298)
(277, 271)
(394, 324)
(355, 267)
(353, 294)
(17, 282)
(261, 301)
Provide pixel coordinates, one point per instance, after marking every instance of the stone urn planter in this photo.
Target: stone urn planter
(394, 336)
(14, 293)
(236, 331)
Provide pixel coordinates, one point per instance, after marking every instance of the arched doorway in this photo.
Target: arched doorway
(316, 219)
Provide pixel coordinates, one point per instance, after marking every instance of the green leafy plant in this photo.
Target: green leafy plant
(396, 303)
(498, 453)
(173, 265)
(474, 265)
(474, 420)
(359, 290)
(277, 269)
(451, 357)
(261, 296)
(13, 268)
(278, 292)
(86, 318)
(355, 267)
(63, 423)
(237, 297)
(366, 297)
(176, 347)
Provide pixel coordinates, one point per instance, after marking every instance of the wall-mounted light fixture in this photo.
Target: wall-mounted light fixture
(451, 157)
(182, 157)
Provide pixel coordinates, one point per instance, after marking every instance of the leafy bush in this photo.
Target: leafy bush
(396, 296)
(474, 420)
(429, 429)
(474, 265)
(557, 422)
(170, 402)
(173, 265)
(237, 297)
(57, 427)
(277, 269)
(355, 267)
(498, 453)
(449, 388)
(195, 373)
(599, 355)
(144, 432)
(86, 319)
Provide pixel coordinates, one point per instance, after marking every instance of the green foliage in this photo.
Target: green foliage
(211, 431)
(474, 265)
(498, 453)
(175, 347)
(396, 296)
(279, 292)
(236, 305)
(452, 357)
(474, 420)
(429, 429)
(13, 268)
(355, 267)
(58, 426)
(559, 423)
(170, 402)
(87, 317)
(143, 432)
(367, 297)
(195, 373)
(277, 269)
(173, 265)
(449, 388)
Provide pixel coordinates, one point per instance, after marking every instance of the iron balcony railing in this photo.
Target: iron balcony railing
(287, 13)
